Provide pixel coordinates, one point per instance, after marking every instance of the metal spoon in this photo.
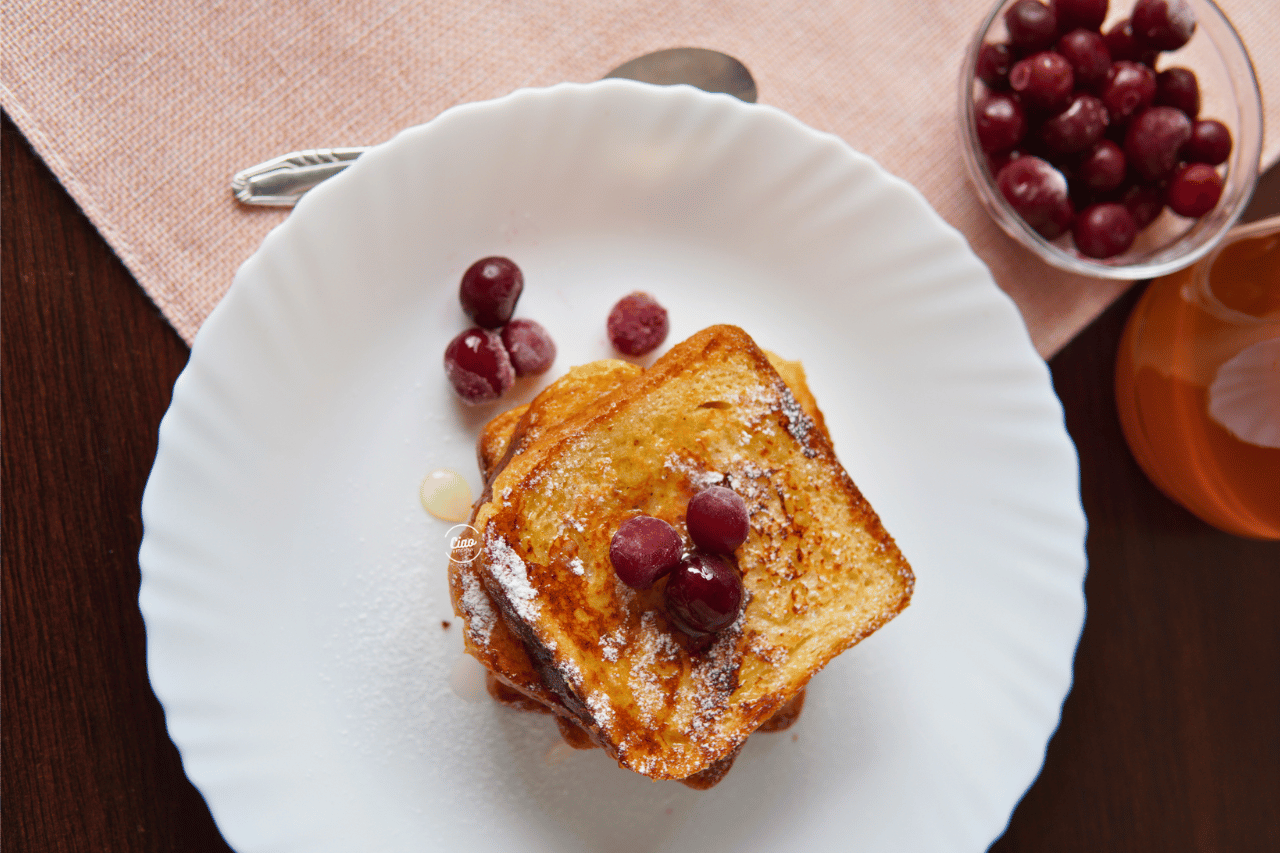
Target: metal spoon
(281, 181)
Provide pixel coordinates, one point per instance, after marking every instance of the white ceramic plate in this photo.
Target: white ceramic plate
(294, 590)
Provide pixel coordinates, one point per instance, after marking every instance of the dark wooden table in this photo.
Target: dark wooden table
(1169, 741)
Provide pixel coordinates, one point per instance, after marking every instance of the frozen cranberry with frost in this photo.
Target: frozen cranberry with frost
(1076, 128)
(644, 549)
(478, 367)
(1090, 60)
(1210, 142)
(1130, 87)
(704, 594)
(1163, 24)
(717, 520)
(489, 291)
(1031, 25)
(994, 61)
(1000, 122)
(1194, 190)
(1088, 14)
(1153, 140)
(1104, 230)
(1037, 192)
(1043, 80)
(637, 324)
(1178, 88)
(530, 346)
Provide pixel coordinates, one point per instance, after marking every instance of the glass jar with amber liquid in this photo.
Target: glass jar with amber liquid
(1198, 383)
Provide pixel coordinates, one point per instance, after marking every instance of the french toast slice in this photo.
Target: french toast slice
(510, 675)
(819, 570)
(485, 633)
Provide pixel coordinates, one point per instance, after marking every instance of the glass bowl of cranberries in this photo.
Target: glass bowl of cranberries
(1113, 138)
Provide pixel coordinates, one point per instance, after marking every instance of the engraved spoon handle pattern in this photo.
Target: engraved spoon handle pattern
(281, 181)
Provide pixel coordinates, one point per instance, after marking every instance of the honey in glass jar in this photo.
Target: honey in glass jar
(1198, 383)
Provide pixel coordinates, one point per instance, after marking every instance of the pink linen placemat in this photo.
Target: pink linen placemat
(144, 111)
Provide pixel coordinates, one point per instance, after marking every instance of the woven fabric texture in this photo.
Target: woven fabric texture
(144, 111)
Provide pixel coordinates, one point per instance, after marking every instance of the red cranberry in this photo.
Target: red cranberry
(1000, 122)
(1077, 127)
(644, 549)
(1043, 80)
(1194, 190)
(1103, 168)
(717, 520)
(489, 290)
(1210, 142)
(1031, 24)
(1163, 24)
(1090, 60)
(994, 61)
(1038, 193)
(1178, 88)
(637, 324)
(1123, 46)
(530, 346)
(1130, 87)
(478, 366)
(1104, 230)
(996, 162)
(704, 594)
(1088, 14)
(1144, 203)
(1153, 140)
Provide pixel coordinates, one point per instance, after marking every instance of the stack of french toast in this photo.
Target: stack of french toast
(557, 630)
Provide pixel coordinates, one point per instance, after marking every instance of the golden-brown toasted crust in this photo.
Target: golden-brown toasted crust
(819, 570)
(495, 438)
(792, 373)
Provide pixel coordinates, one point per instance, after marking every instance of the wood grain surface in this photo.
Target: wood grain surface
(1169, 739)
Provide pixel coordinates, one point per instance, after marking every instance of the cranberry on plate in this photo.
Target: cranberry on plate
(637, 324)
(478, 367)
(489, 290)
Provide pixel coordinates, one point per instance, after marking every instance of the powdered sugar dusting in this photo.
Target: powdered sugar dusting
(698, 476)
(509, 570)
(598, 703)
(612, 643)
(799, 424)
(653, 645)
(715, 679)
(764, 400)
(569, 670)
(476, 604)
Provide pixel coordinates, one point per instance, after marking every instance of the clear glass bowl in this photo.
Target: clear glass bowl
(1229, 93)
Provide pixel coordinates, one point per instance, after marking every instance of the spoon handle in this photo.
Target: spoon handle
(281, 181)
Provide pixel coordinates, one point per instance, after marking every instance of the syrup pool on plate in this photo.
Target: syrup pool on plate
(446, 495)
(1198, 383)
